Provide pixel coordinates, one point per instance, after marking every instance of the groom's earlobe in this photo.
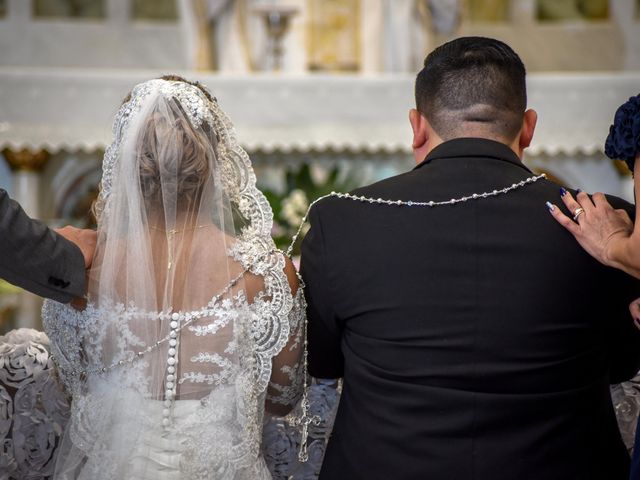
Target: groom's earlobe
(528, 127)
(420, 135)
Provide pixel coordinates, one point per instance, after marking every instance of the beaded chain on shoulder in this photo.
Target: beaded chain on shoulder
(410, 203)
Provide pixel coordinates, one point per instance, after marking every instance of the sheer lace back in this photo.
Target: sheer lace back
(189, 305)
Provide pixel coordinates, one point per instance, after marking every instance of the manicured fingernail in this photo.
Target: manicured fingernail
(578, 190)
(563, 191)
(550, 206)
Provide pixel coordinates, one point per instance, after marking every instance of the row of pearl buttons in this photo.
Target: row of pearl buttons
(170, 383)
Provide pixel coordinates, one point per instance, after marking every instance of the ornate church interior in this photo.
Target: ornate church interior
(319, 91)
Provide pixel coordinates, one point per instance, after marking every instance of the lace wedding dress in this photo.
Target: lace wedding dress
(192, 325)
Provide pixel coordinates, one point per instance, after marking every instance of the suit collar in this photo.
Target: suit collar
(470, 148)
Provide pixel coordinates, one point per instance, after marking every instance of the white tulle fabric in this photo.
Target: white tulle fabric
(190, 325)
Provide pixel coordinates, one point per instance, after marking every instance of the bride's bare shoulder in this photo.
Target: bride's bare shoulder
(292, 275)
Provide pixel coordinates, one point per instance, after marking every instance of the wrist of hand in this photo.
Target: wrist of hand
(616, 251)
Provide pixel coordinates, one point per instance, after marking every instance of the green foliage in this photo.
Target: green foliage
(290, 206)
(7, 289)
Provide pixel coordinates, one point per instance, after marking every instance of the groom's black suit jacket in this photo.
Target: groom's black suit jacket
(476, 341)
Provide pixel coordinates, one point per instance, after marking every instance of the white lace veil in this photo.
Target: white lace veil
(166, 221)
(187, 297)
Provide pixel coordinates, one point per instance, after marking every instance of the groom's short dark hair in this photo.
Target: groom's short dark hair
(472, 79)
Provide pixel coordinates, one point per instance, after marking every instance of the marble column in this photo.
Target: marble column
(26, 166)
(372, 18)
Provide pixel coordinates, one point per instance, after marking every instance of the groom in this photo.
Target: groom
(476, 340)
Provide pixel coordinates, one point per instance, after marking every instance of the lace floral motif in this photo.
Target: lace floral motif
(211, 438)
(222, 313)
(227, 370)
(289, 392)
(77, 339)
(270, 331)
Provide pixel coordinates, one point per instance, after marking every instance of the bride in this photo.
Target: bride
(193, 320)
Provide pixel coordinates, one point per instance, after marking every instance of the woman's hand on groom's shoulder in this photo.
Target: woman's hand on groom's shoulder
(597, 226)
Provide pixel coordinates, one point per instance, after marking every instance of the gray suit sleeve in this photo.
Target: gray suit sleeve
(36, 258)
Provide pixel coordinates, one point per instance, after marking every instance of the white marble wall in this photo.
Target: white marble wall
(591, 173)
(115, 41)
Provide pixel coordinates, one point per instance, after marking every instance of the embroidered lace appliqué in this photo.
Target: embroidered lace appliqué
(260, 333)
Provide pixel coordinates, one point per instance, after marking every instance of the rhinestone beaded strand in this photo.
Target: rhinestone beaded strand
(411, 203)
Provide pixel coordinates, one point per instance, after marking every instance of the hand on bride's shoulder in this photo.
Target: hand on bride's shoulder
(79, 303)
(84, 239)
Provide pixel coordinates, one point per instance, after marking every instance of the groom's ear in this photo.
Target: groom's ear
(528, 127)
(420, 134)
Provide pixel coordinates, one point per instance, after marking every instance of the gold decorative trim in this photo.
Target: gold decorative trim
(25, 159)
(334, 35)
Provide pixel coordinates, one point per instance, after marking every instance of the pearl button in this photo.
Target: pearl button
(169, 385)
(165, 422)
(166, 412)
(169, 394)
(172, 351)
(171, 369)
(173, 342)
(175, 316)
(173, 334)
(170, 378)
(174, 324)
(171, 361)
(167, 403)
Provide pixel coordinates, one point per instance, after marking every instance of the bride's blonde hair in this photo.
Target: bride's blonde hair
(192, 166)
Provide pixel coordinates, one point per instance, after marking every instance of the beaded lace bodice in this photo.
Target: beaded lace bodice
(234, 358)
